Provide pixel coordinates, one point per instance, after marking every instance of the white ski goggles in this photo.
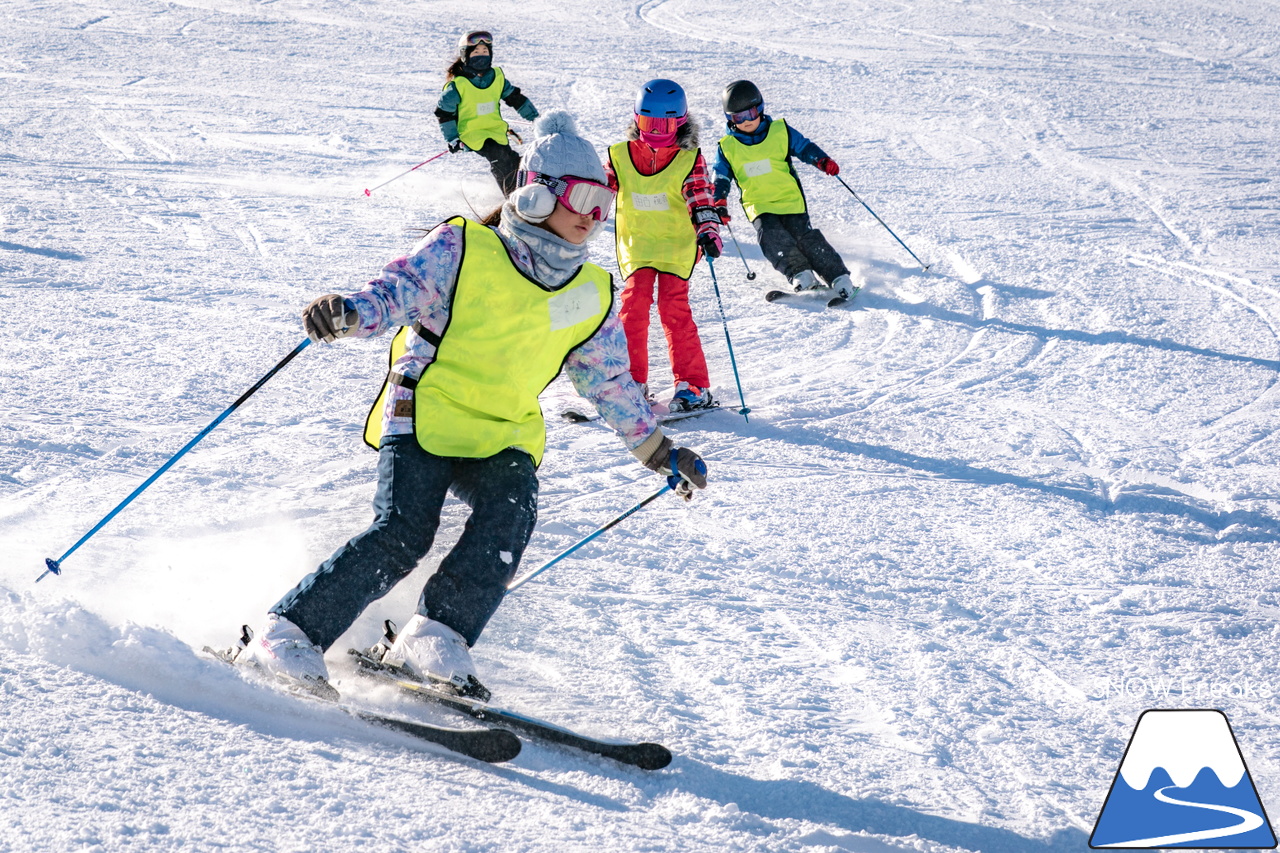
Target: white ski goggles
(583, 197)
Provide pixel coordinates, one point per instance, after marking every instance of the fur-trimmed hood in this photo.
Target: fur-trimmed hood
(686, 135)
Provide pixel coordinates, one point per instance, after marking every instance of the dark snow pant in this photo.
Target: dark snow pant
(502, 492)
(792, 245)
(503, 162)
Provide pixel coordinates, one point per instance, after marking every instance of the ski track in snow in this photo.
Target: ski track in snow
(978, 521)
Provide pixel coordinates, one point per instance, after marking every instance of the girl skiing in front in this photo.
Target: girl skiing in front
(485, 318)
(757, 153)
(468, 110)
(666, 216)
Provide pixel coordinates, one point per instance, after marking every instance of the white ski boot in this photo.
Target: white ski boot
(805, 280)
(844, 288)
(282, 651)
(432, 651)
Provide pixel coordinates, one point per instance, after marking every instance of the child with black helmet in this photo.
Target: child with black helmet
(468, 110)
(756, 153)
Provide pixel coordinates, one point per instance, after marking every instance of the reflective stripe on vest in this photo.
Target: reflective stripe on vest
(763, 172)
(480, 112)
(506, 340)
(653, 228)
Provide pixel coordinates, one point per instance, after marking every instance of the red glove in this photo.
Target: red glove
(829, 166)
(722, 208)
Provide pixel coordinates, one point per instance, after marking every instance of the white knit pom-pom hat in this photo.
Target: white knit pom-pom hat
(556, 150)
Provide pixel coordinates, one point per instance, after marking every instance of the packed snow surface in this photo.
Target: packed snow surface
(977, 522)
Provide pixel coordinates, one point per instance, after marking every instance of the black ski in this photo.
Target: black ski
(646, 756)
(786, 296)
(491, 745)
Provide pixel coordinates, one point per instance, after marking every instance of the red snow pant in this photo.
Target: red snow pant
(683, 345)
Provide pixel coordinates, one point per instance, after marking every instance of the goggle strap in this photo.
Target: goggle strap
(557, 186)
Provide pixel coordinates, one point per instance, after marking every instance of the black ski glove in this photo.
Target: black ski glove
(328, 318)
(691, 471)
(710, 243)
(456, 145)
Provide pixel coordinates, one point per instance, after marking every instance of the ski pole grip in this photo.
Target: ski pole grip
(674, 479)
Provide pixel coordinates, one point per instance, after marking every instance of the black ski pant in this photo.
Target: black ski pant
(793, 245)
(467, 588)
(503, 162)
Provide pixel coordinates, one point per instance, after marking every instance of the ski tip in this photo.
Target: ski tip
(499, 745)
(652, 756)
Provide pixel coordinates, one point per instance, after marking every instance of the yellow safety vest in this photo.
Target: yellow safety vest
(764, 176)
(653, 228)
(480, 111)
(506, 340)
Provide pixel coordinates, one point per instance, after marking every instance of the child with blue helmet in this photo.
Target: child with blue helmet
(666, 218)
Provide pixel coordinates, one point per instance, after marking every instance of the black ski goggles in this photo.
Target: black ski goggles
(746, 115)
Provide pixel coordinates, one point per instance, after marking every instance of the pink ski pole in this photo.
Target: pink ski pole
(407, 171)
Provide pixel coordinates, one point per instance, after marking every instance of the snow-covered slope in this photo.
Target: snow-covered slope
(976, 524)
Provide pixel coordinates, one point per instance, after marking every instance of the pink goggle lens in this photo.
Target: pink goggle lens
(658, 124)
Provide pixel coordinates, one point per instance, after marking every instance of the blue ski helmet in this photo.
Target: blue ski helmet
(662, 99)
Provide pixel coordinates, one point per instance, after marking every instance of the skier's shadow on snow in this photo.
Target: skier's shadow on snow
(1255, 526)
(800, 800)
(1252, 526)
(932, 312)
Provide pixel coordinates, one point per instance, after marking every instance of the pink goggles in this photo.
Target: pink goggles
(583, 197)
(659, 125)
(746, 115)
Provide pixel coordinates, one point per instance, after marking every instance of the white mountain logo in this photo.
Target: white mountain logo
(1183, 783)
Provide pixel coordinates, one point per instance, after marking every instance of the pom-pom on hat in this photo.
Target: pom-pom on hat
(556, 150)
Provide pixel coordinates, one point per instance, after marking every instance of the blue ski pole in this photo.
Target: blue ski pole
(673, 482)
(519, 582)
(882, 222)
(744, 411)
(55, 566)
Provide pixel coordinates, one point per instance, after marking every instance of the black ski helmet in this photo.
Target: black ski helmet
(739, 96)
